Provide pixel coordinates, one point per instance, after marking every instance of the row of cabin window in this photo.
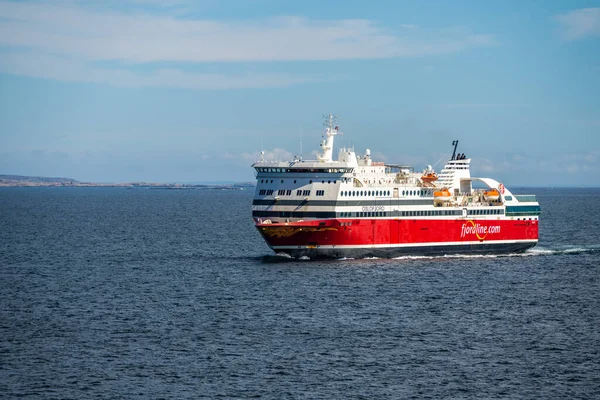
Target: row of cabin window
(427, 213)
(416, 193)
(418, 213)
(351, 193)
(284, 192)
(363, 214)
(485, 212)
(304, 170)
(346, 193)
(271, 181)
(422, 213)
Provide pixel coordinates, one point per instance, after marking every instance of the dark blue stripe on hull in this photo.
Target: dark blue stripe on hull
(392, 252)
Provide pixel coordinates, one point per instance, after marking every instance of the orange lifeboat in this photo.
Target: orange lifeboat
(442, 195)
(491, 195)
(430, 177)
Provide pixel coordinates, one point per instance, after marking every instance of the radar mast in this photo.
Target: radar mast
(331, 129)
(455, 144)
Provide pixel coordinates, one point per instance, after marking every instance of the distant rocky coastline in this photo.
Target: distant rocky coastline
(36, 181)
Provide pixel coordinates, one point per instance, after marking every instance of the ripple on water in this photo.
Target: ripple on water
(112, 293)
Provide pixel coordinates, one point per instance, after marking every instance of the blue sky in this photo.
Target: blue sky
(190, 91)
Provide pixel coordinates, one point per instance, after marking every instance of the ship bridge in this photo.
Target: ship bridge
(334, 167)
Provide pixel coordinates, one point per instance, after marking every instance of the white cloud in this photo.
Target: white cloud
(485, 165)
(480, 105)
(574, 163)
(578, 168)
(66, 41)
(589, 122)
(592, 157)
(408, 26)
(579, 24)
(275, 154)
(72, 70)
(377, 156)
(159, 3)
(77, 32)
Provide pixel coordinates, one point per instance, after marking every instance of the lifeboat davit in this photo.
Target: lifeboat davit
(491, 195)
(442, 195)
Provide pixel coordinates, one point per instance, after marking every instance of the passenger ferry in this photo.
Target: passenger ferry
(357, 207)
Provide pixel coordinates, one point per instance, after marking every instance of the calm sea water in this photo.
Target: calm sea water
(114, 293)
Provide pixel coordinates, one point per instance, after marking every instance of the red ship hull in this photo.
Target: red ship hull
(335, 238)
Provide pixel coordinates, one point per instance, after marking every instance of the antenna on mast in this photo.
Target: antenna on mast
(301, 132)
(329, 121)
(331, 130)
(262, 150)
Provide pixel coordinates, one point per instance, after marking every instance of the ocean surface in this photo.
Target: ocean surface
(172, 294)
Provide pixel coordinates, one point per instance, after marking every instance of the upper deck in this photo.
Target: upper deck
(356, 186)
